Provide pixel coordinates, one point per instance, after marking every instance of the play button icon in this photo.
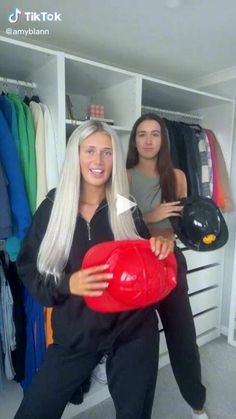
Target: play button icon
(123, 204)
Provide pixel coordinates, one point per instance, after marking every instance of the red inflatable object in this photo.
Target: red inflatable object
(139, 277)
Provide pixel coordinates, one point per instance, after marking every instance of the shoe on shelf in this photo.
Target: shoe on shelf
(196, 415)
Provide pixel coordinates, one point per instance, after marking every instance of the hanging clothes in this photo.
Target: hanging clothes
(5, 212)
(27, 148)
(218, 192)
(209, 159)
(187, 155)
(7, 327)
(20, 171)
(9, 112)
(197, 152)
(32, 169)
(35, 338)
(52, 166)
(224, 177)
(40, 151)
(203, 157)
(17, 196)
(16, 286)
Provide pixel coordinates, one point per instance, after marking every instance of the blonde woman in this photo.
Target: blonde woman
(80, 214)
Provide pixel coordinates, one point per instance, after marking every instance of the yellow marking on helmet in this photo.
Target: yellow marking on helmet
(209, 238)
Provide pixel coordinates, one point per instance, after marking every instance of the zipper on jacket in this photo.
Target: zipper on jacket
(88, 223)
(89, 230)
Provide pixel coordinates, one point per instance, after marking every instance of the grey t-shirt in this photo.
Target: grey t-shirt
(147, 192)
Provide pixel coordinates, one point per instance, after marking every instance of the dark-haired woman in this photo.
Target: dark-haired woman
(157, 188)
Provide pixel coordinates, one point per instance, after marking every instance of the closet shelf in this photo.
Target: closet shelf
(118, 128)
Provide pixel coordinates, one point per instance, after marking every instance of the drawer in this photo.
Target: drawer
(205, 300)
(203, 322)
(198, 259)
(207, 321)
(204, 278)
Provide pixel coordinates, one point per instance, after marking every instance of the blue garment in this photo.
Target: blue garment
(12, 247)
(35, 333)
(6, 109)
(16, 190)
(9, 112)
(35, 338)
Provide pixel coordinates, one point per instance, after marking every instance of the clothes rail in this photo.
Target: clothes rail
(172, 113)
(18, 82)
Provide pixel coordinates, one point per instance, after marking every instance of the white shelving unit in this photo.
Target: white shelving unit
(29, 63)
(123, 94)
(206, 271)
(89, 83)
(224, 83)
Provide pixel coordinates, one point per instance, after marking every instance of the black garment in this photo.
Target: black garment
(16, 287)
(78, 396)
(177, 319)
(74, 324)
(131, 370)
(82, 336)
(194, 168)
(27, 99)
(172, 143)
(185, 154)
(18, 355)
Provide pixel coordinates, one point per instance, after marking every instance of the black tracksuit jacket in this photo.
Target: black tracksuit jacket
(74, 325)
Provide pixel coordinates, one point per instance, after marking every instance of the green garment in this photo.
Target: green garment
(27, 148)
(32, 158)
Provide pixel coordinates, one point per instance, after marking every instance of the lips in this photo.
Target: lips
(97, 172)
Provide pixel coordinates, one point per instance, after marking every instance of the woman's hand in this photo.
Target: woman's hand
(90, 282)
(161, 246)
(163, 211)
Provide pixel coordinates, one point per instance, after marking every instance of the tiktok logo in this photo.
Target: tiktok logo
(15, 16)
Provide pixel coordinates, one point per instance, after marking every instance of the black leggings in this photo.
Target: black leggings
(177, 319)
(131, 370)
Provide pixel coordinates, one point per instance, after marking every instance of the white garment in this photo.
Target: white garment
(7, 326)
(52, 171)
(40, 151)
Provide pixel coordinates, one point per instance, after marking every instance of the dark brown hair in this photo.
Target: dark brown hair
(164, 163)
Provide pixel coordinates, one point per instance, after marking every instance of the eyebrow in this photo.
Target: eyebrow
(93, 146)
(154, 130)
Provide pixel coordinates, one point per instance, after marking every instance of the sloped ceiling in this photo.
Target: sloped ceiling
(176, 40)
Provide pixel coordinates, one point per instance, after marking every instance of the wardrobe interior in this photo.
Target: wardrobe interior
(59, 78)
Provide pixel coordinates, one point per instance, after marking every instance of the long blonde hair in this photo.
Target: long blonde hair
(56, 244)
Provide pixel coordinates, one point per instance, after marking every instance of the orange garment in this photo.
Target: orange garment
(48, 327)
(223, 173)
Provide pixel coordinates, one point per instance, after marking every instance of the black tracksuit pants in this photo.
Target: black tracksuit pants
(61, 375)
(176, 316)
(131, 370)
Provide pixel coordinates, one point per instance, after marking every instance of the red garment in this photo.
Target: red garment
(218, 192)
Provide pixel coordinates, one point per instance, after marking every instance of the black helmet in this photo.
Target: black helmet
(201, 225)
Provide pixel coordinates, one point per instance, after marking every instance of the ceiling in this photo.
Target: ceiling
(175, 40)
